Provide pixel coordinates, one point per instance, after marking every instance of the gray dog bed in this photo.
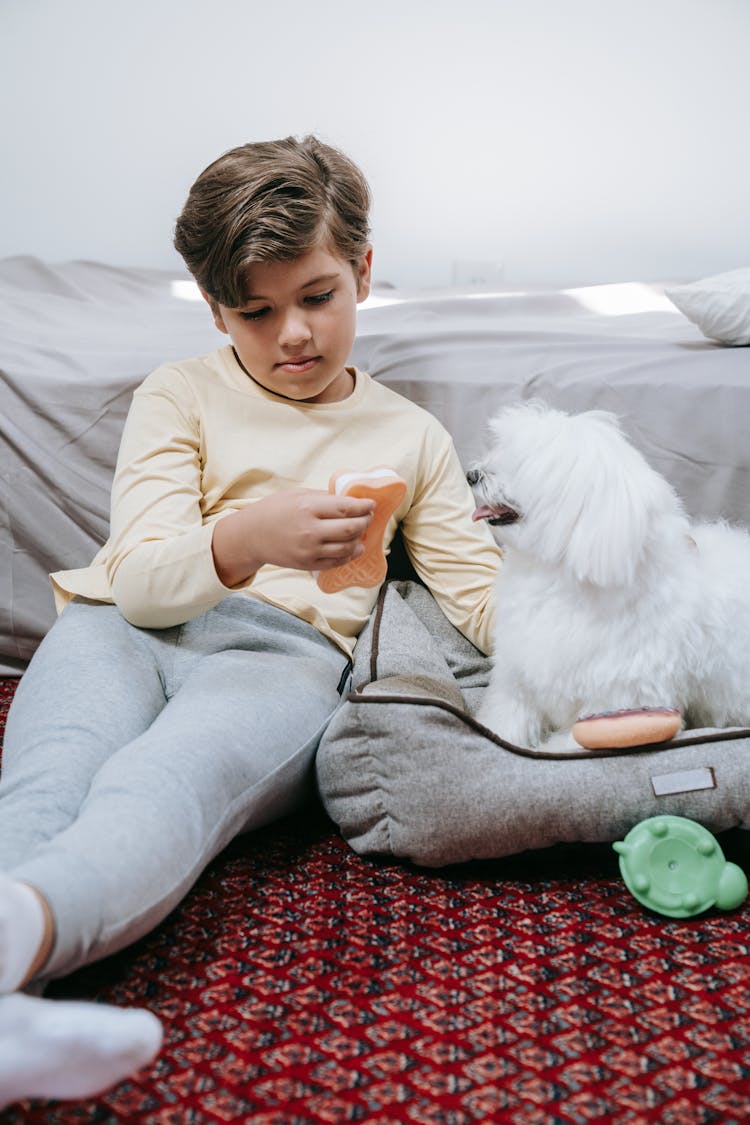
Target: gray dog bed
(405, 769)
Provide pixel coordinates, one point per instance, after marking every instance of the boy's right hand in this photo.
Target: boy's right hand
(302, 529)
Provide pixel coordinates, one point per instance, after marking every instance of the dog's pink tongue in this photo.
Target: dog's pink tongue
(483, 513)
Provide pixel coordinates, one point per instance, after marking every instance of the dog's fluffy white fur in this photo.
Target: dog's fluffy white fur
(608, 597)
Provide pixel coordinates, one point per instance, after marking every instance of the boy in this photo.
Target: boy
(180, 697)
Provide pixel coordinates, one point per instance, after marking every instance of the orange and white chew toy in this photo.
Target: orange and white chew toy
(638, 727)
(387, 489)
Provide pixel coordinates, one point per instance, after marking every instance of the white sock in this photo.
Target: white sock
(69, 1048)
(22, 926)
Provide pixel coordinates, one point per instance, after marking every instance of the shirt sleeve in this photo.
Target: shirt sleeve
(455, 557)
(159, 560)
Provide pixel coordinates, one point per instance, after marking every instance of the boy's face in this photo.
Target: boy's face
(295, 332)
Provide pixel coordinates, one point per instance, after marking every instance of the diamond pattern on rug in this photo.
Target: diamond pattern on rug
(301, 983)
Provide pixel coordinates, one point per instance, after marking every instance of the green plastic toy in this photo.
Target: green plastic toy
(675, 866)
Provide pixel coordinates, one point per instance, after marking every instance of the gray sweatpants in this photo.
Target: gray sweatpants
(133, 756)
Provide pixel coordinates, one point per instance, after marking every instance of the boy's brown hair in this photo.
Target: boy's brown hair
(270, 201)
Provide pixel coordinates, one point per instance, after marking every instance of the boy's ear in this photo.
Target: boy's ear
(215, 312)
(364, 275)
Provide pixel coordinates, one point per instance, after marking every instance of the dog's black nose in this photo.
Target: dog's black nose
(473, 477)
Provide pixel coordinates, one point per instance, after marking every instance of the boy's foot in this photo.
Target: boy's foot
(69, 1048)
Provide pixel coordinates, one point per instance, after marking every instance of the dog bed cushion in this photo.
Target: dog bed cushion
(405, 769)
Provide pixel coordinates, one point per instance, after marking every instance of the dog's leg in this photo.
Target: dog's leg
(507, 714)
(561, 741)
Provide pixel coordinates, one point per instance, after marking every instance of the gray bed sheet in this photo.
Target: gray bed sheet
(77, 338)
(683, 400)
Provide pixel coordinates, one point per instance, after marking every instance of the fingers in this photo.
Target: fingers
(342, 542)
(346, 530)
(345, 507)
(337, 557)
(342, 530)
(356, 505)
(343, 520)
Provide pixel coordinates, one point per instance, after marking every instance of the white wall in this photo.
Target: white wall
(570, 140)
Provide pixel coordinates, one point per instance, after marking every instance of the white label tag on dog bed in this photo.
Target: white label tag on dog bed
(683, 781)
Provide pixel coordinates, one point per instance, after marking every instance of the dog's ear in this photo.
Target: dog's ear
(619, 498)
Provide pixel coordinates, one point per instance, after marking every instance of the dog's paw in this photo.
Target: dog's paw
(561, 742)
(508, 721)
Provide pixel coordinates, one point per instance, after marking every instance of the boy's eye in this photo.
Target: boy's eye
(315, 299)
(254, 314)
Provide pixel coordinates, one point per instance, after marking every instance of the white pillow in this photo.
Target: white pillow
(719, 305)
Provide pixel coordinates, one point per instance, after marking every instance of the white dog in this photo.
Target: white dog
(607, 598)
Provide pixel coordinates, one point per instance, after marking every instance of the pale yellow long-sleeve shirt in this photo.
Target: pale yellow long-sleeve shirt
(202, 440)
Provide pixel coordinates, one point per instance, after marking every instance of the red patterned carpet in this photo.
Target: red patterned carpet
(300, 984)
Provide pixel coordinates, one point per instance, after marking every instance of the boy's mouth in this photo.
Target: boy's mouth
(299, 364)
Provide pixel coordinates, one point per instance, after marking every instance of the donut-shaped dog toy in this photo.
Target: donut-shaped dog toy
(639, 727)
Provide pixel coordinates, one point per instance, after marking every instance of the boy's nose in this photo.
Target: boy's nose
(294, 331)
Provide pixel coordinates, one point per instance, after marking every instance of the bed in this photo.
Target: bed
(76, 338)
(523, 998)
